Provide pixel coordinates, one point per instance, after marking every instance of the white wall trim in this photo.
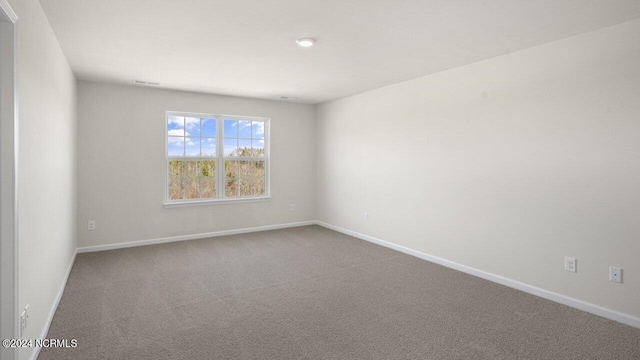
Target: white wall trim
(546, 294)
(9, 124)
(123, 245)
(54, 307)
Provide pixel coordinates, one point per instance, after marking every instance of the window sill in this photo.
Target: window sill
(214, 202)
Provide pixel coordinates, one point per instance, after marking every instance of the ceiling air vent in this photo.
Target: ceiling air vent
(140, 82)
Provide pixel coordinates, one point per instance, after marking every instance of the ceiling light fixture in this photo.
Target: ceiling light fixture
(306, 42)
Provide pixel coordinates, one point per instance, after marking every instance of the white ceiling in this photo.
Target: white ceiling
(247, 48)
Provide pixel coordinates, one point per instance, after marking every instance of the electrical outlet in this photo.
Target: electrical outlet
(91, 225)
(615, 274)
(366, 216)
(292, 207)
(570, 264)
(23, 320)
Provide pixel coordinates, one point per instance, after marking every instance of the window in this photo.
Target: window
(216, 158)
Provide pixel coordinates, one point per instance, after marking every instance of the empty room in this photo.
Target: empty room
(296, 179)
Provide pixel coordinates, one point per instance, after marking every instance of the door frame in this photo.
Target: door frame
(9, 291)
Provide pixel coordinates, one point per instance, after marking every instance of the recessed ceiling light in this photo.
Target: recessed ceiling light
(306, 42)
(289, 97)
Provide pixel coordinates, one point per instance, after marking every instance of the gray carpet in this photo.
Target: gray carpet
(310, 293)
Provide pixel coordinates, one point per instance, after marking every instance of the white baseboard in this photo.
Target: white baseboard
(191, 237)
(549, 295)
(54, 307)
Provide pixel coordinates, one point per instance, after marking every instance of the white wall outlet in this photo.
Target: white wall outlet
(570, 264)
(292, 207)
(366, 216)
(615, 274)
(91, 225)
(23, 320)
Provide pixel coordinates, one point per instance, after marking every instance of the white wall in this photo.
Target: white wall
(505, 165)
(122, 165)
(47, 202)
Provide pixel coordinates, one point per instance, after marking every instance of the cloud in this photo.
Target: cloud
(177, 132)
(258, 127)
(192, 123)
(176, 120)
(175, 140)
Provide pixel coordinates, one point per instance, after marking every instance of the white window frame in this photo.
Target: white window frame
(220, 159)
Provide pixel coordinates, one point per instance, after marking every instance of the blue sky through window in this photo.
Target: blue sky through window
(244, 129)
(230, 145)
(192, 146)
(175, 140)
(208, 127)
(192, 136)
(242, 134)
(257, 130)
(208, 146)
(230, 128)
(192, 126)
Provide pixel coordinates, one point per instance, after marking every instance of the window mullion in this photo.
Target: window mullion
(220, 157)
